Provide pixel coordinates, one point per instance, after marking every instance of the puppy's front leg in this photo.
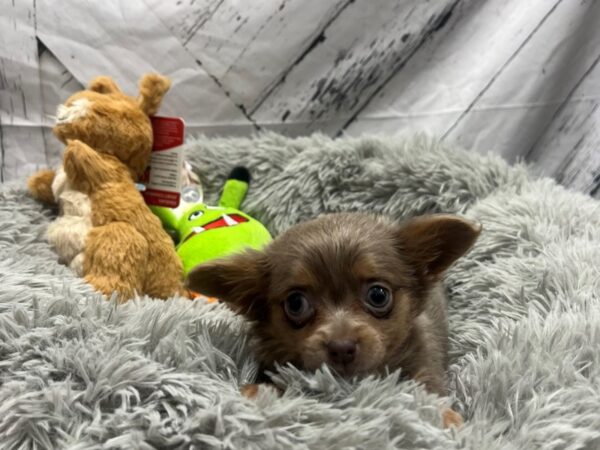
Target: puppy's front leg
(435, 384)
(251, 390)
(451, 418)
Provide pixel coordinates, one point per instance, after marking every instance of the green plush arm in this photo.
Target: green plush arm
(235, 188)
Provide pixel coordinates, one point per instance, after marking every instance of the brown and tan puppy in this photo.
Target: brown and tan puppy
(354, 291)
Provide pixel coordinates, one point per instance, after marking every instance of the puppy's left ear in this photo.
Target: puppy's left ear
(432, 243)
(240, 280)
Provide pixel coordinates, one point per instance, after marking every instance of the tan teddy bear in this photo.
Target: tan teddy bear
(109, 141)
(68, 231)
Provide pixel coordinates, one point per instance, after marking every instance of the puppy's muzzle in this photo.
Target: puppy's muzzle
(342, 352)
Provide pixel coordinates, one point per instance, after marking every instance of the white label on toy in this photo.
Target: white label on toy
(165, 169)
(162, 179)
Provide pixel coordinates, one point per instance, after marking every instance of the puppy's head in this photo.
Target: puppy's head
(343, 289)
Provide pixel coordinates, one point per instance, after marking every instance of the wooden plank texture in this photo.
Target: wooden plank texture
(57, 84)
(495, 79)
(518, 78)
(569, 149)
(440, 81)
(131, 43)
(20, 95)
(341, 73)
(513, 112)
(248, 47)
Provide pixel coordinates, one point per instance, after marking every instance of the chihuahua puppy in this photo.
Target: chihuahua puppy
(354, 291)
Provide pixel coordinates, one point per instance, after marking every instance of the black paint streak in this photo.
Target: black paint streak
(561, 108)
(41, 49)
(560, 174)
(2, 155)
(499, 71)
(24, 103)
(67, 81)
(199, 23)
(340, 57)
(239, 27)
(249, 43)
(436, 25)
(442, 21)
(320, 85)
(35, 16)
(313, 44)
(242, 108)
(595, 184)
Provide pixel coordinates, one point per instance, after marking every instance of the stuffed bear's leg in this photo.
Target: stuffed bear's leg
(88, 169)
(115, 259)
(76, 264)
(67, 234)
(40, 186)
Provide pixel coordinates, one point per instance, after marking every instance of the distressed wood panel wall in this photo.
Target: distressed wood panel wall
(518, 78)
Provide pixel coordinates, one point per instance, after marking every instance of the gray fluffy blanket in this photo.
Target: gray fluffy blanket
(78, 371)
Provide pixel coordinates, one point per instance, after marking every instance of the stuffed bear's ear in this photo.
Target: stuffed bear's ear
(432, 243)
(103, 85)
(241, 281)
(153, 88)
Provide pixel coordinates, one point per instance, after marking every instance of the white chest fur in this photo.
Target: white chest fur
(68, 232)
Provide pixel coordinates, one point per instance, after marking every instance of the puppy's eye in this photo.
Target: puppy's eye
(195, 215)
(378, 300)
(298, 309)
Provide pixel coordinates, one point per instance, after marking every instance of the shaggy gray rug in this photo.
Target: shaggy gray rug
(77, 371)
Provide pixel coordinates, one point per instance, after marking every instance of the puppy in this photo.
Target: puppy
(354, 291)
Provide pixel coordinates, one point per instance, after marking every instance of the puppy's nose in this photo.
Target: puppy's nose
(342, 351)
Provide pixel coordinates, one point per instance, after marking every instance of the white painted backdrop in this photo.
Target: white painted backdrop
(517, 77)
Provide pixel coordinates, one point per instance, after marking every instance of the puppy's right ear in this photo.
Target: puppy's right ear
(432, 243)
(240, 280)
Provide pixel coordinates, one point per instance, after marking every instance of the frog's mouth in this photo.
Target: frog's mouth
(226, 220)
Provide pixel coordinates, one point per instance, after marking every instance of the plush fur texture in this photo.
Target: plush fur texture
(112, 123)
(354, 291)
(100, 237)
(127, 250)
(524, 319)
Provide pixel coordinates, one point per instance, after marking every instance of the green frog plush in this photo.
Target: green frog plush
(203, 232)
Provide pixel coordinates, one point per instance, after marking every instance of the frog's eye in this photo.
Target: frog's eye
(195, 215)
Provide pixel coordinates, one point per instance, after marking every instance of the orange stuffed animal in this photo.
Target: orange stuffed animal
(109, 141)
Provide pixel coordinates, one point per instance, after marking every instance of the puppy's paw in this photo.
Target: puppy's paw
(249, 390)
(451, 418)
